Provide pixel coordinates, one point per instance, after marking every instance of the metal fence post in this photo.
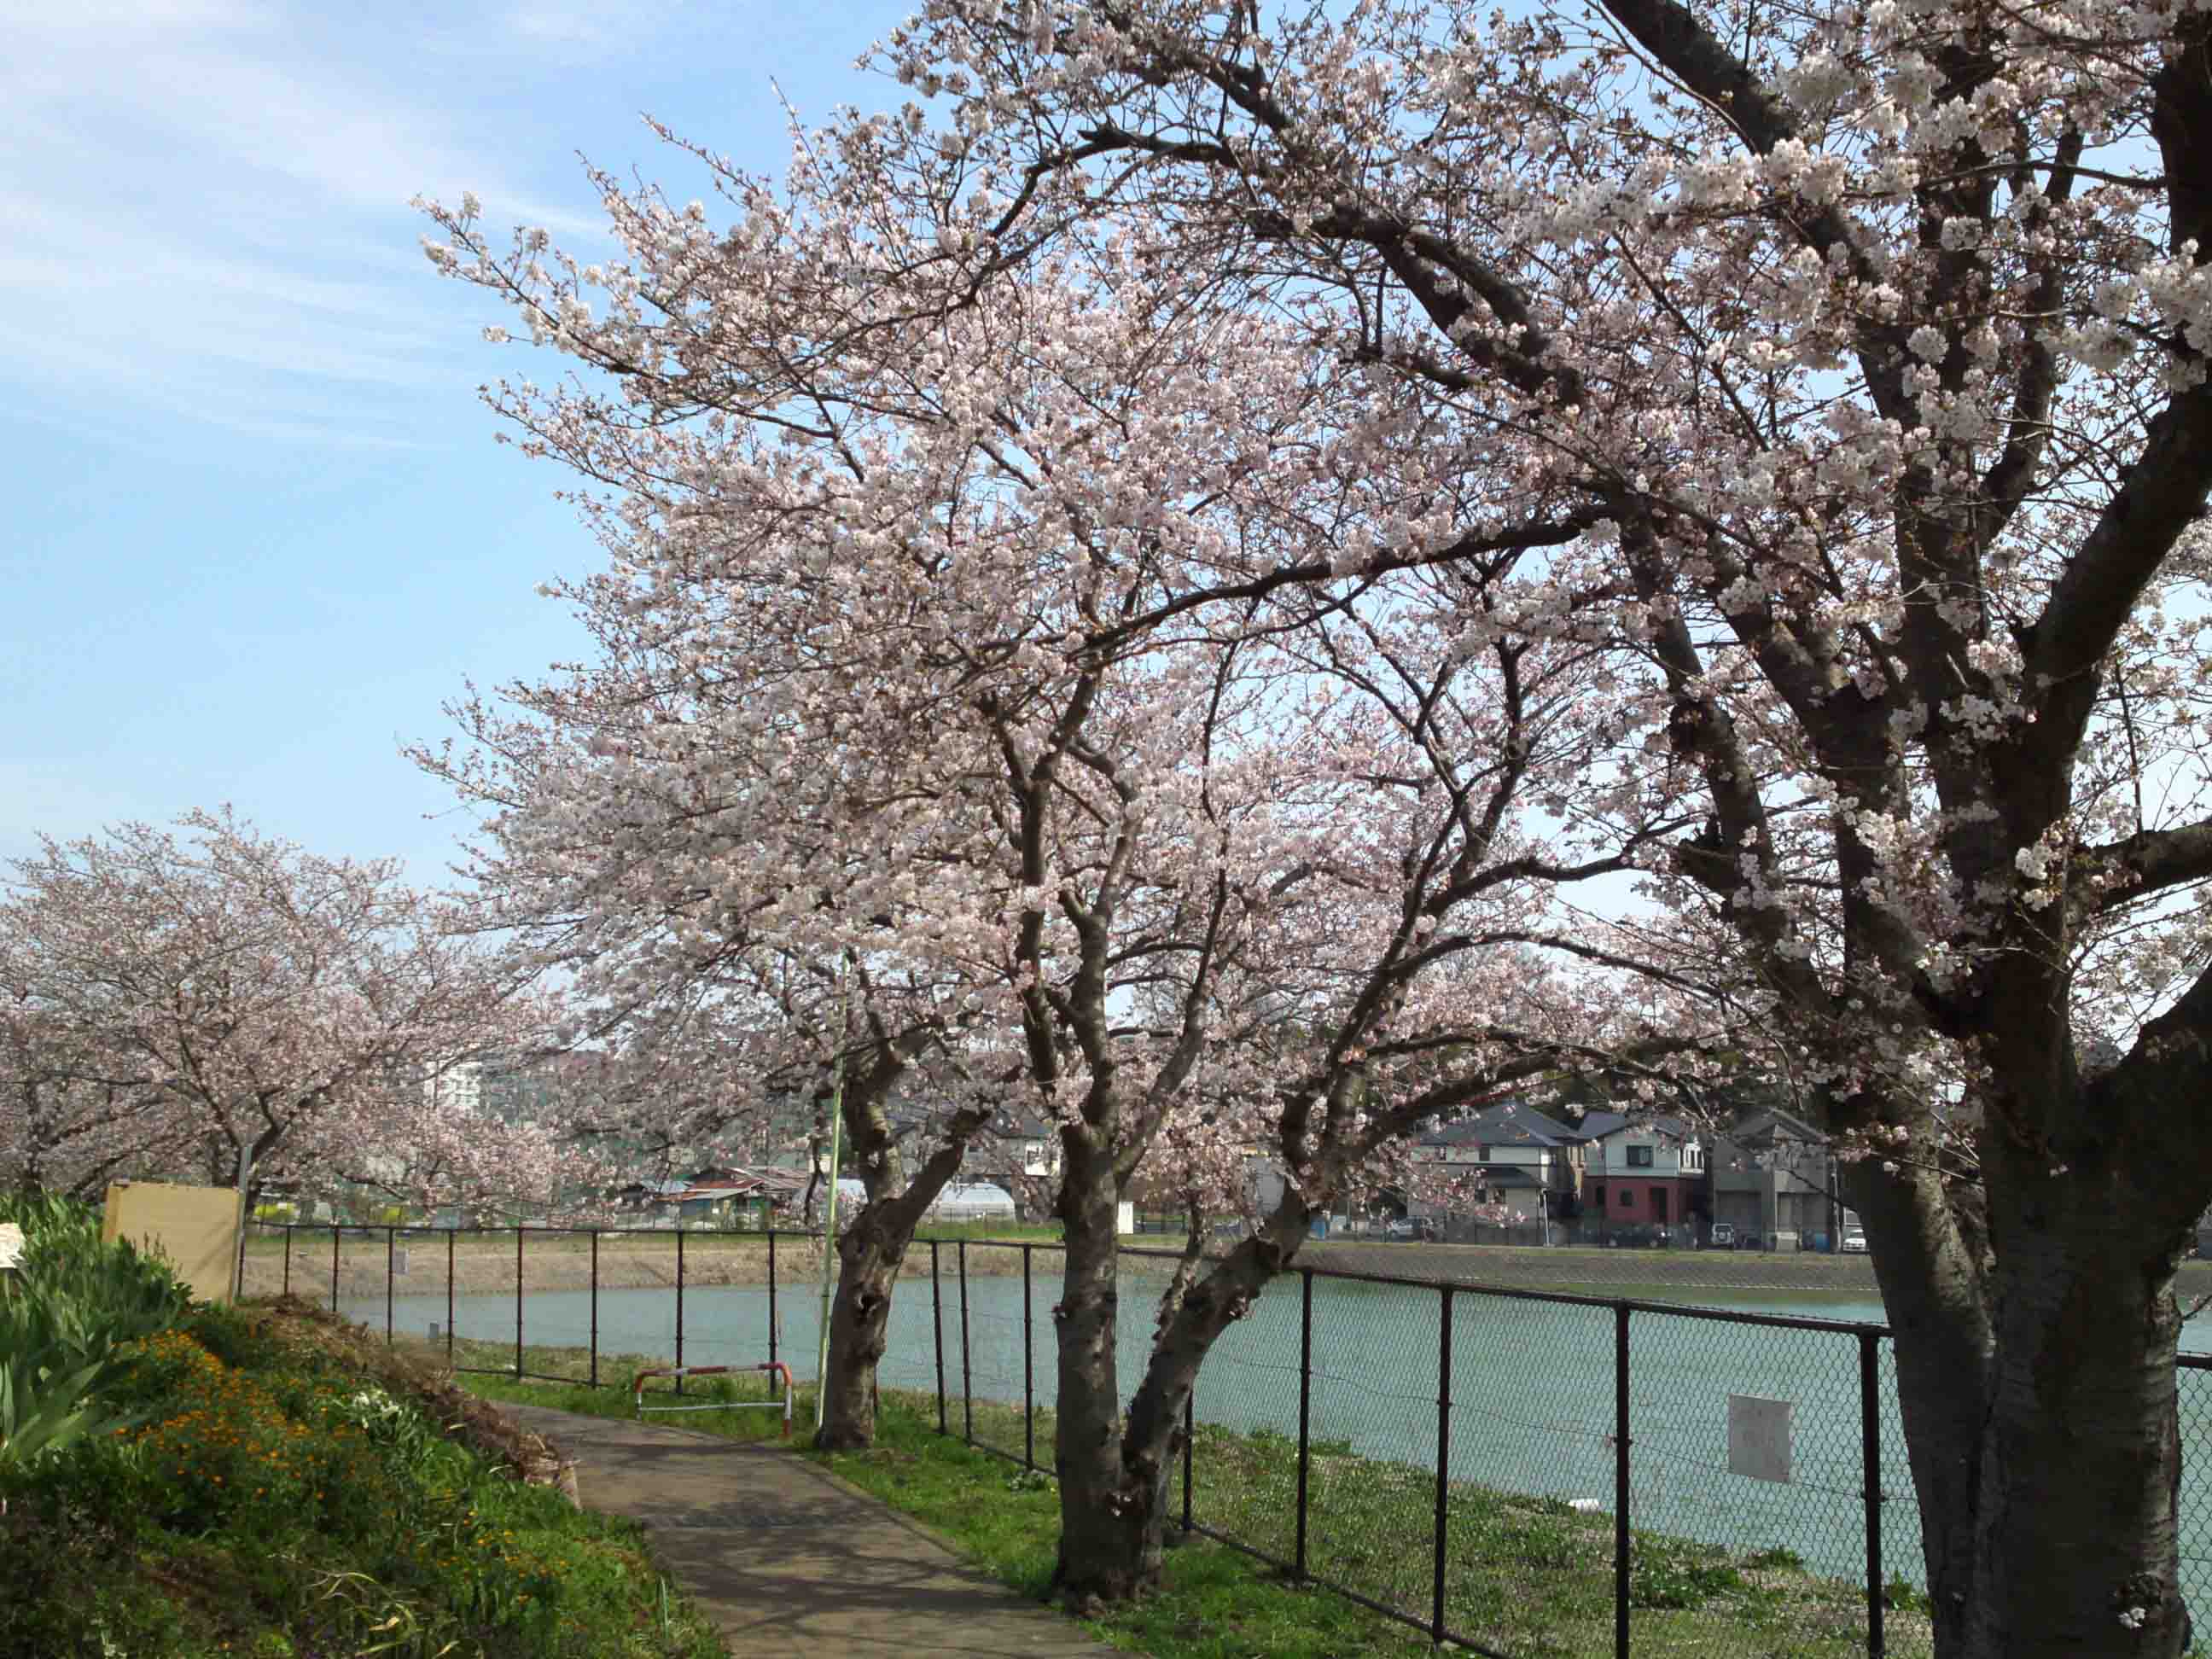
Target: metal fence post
(1443, 1463)
(1620, 1481)
(449, 1297)
(1870, 1462)
(679, 1307)
(936, 1327)
(390, 1247)
(967, 1378)
(518, 1302)
(595, 1307)
(1305, 1409)
(771, 1299)
(1028, 1384)
(336, 1232)
(287, 1258)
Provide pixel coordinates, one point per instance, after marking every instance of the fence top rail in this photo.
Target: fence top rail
(508, 1230)
(1634, 1304)
(1457, 1287)
(1522, 1293)
(2193, 1362)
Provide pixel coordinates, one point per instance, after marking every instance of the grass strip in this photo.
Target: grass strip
(1524, 1576)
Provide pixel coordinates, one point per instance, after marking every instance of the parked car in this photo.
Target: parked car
(1723, 1236)
(1854, 1242)
(1749, 1241)
(1409, 1228)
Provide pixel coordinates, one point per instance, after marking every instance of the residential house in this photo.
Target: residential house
(745, 1198)
(1506, 1153)
(1020, 1154)
(1771, 1174)
(1644, 1171)
(655, 1203)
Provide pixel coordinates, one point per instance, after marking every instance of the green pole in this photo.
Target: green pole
(829, 1215)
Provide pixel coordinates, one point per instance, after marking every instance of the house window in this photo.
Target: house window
(1482, 1154)
(1627, 1197)
(1658, 1203)
(1639, 1158)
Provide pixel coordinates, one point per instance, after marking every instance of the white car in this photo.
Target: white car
(1854, 1242)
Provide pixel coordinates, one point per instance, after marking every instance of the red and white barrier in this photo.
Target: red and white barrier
(637, 1387)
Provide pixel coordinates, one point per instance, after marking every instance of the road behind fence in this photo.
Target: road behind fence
(1515, 1470)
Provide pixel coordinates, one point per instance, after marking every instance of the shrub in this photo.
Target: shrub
(308, 1501)
(223, 1448)
(231, 1335)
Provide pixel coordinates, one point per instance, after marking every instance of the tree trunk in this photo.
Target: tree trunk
(2036, 1382)
(1115, 1474)
(868, 1261)
(1110, 1540)
(2076, 1522)
(1931, 1288)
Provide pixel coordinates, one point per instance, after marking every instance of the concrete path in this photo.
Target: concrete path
(787, 1559)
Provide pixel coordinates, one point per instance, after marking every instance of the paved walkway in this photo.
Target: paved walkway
(787, 1559)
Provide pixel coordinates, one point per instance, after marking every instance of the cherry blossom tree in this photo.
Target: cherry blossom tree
(656, 835)
(940, 629)
(1860, 350)
(1405, 956)
(867, 696)
(228, 1008)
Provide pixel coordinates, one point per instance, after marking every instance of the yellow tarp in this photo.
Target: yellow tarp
(195, 1227)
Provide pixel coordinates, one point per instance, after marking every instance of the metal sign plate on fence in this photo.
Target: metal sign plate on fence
(1759, 1436)
(400, 1263)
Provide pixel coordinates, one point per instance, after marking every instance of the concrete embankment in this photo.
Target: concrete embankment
(486, 1265)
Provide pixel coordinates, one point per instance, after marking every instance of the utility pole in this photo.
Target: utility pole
(245, 1171)
(829, 1215)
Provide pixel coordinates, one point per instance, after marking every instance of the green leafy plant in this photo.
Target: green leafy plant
(1778, 1556)
(1902, 1594)
(70, 1302)
(47, 1405)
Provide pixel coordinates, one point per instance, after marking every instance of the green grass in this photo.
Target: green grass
(291, 1490)
(1529, 1575)
(751, 1424)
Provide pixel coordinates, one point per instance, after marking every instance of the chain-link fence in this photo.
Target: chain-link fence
(1521, 1471)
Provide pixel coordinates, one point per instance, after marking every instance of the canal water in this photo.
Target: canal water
(1532, 1389)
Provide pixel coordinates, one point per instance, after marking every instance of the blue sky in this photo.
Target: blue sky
(262, 529)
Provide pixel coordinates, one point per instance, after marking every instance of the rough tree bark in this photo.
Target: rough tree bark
(1116, 1472)
(872, 1247)
(1110, 1503)
(2081, 1454)
(1932, 1287)
(869, 1257)
(2036, 1329)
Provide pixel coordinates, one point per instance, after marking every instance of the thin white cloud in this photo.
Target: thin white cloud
(616, 25)
(207, 204)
